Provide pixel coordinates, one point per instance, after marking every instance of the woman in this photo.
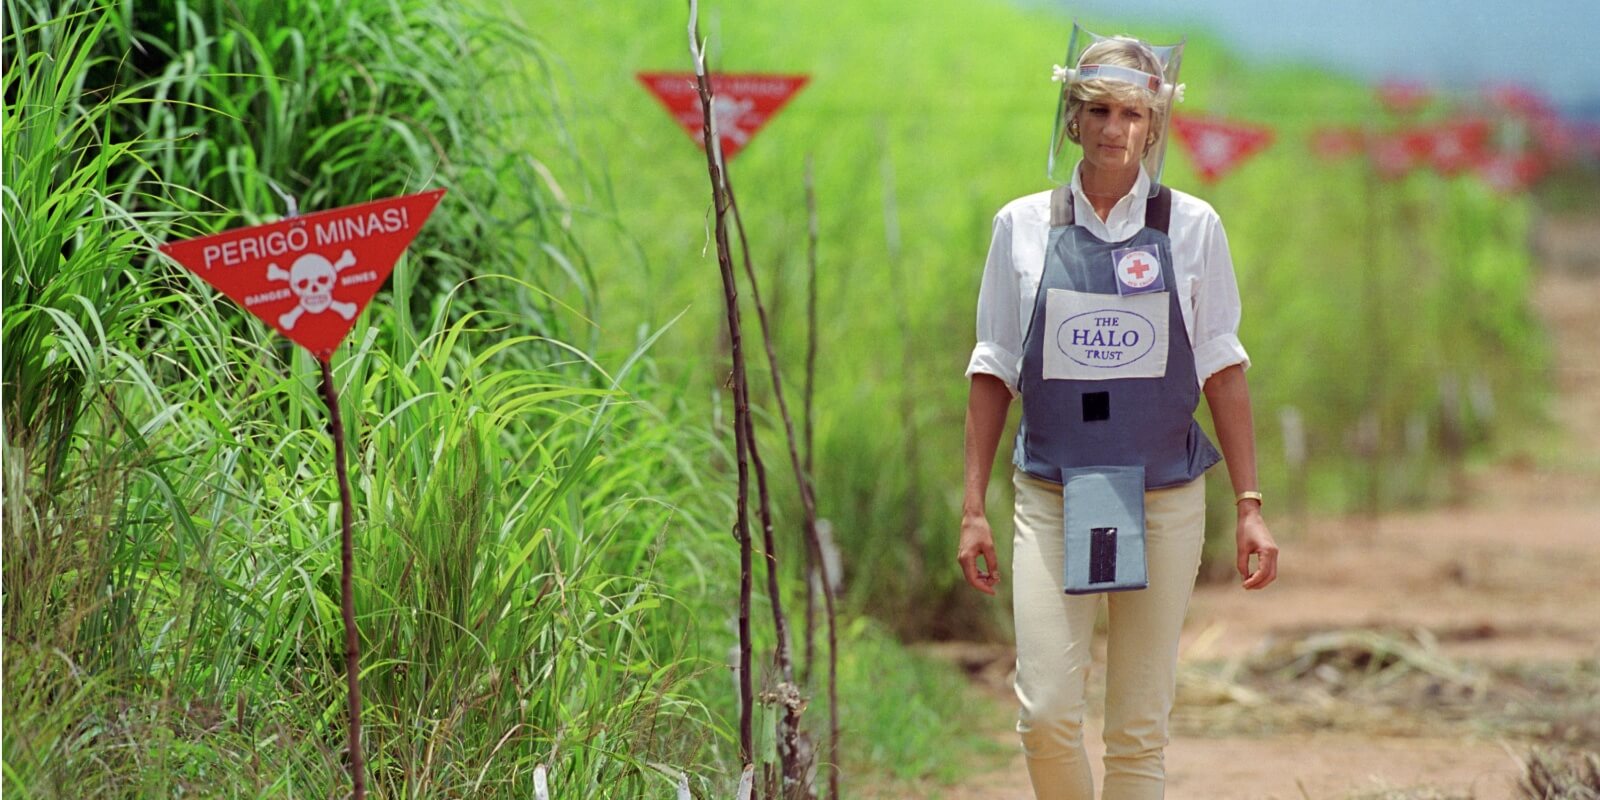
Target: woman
(1107, 305)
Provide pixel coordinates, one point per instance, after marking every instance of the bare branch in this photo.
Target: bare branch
(741, 403)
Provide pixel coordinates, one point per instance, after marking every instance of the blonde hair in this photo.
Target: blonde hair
(1120, 51)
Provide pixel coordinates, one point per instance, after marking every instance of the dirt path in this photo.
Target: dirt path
(1514, 577)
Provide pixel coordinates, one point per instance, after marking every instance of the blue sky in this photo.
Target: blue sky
(1552, 45)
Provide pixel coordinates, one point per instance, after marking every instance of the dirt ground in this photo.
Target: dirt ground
(1511, 578)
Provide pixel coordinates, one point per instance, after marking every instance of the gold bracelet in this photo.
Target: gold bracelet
(1243, 496)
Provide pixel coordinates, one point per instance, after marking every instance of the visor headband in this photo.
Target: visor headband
(1113, 72)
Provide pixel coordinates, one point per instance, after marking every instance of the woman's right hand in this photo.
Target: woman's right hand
(986, 417)
(978, 541)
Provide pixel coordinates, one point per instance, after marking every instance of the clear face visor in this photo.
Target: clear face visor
(1155, 83)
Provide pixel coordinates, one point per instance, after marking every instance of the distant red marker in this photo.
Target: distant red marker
(1519, 101)
(1219, 146)
(1331, 144)
(1458, 145)
(1404, 97)
(1398, 152)
(741, 104)
(1510, 172)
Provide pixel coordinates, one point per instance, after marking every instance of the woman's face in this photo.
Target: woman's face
(1113, 135)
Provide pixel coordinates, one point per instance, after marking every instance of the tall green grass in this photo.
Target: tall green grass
(337, 102)
(543, 575)
(954, 97)
(170, 571)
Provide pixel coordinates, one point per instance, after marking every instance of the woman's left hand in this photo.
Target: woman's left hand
(1253, 538)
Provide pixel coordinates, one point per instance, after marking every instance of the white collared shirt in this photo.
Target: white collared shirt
(1200, 261)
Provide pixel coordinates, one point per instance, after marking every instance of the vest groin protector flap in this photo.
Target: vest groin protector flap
(1104, 512)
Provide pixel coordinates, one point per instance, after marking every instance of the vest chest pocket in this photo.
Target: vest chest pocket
(1096, 337)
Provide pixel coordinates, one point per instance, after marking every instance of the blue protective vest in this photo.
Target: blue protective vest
(1108, 374)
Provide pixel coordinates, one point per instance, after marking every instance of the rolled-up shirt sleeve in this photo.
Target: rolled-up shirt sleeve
(1216, 309)
(999, 346)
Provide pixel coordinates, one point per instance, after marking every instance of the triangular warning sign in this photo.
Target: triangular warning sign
(1333, 143)
(1509, 173)
(1398, 152)
(1519, 101)
(310, 276)
(741, 104)
(1218, 146)
(1404, 97)
(1458, 145)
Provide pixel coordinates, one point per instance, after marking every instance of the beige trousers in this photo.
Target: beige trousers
(1055, 632)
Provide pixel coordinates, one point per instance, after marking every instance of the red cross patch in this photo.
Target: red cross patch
(1138, 270)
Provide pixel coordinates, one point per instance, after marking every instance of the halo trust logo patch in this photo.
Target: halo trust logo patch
(1106, 338)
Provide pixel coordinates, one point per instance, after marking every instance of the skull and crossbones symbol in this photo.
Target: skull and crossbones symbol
(729, 115)
(311, 279)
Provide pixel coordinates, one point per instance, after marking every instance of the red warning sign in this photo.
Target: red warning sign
(1334, 143)
(1218, 146)
(1398, 152)
(310, 276)
(740, 104)
(1510, 173)
(1458, 145)
(1518, 101)
(1404, 97)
